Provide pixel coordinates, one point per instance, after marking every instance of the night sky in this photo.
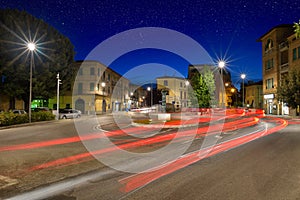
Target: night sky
(226, 29)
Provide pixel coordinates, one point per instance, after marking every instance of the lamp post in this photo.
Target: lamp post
(150, 90)
(31, 47)
(221, 65)
(103, 104)
(57, 107)
(243, 76)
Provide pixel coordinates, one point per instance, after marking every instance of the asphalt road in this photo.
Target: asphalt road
(267, 168)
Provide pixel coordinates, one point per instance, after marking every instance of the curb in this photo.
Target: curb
(27, 124)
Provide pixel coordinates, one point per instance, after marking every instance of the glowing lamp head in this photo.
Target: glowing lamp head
(148, 88)
(243, 76)
(31, 46)
(221, 64)
(103, 84)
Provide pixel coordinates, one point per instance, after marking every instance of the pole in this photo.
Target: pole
(222, 88)
(57, 107)
(243, 92)
(30, 87)
(151, 95)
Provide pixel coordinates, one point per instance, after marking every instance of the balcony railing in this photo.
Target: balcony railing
(284, 67)
(284, 45)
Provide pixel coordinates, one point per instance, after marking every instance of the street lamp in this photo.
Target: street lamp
(103, 104)
(243, 76)
(150, 90)
(57, 107)
(221, 65)
(31, 47)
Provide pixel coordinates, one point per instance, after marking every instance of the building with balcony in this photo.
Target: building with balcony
(279, 53)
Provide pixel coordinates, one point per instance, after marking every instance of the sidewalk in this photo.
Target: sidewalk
(28, 124)
(285, 117)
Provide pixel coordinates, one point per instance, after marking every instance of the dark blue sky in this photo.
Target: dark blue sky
(227, 29)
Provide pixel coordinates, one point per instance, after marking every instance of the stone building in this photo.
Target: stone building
(280, 52)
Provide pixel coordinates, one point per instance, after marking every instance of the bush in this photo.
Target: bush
(42, 116)
(9, 118)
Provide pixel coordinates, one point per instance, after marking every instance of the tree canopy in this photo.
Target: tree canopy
(203, 89)
(54, 54)
(289, 90)
(297, 29)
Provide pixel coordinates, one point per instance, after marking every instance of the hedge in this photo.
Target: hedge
(9, 118)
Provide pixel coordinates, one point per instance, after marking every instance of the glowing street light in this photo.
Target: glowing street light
(57, 100)
(243, 76)
(103, 84)
(150, 90)
(221, 65)
(31, 47)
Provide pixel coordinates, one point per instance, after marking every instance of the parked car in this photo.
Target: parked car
(43, 109)
(20, 112)
(69, 114)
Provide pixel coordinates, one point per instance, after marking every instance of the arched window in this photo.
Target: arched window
(269, 45)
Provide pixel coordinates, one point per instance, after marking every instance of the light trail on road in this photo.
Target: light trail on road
(96, 135)
(83, 157)
(139, 180)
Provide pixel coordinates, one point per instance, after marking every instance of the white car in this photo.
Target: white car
(69, 114)
(20, 112)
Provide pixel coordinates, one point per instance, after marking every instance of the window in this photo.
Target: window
(165, 82)
(294, 54)
(99, 71)
(180, 84)
(80, 86)
(269, 83)
(108, 77)
(298, 52)
(180, 94)
(269, 45)
(269, 64)
(92, 86)
(92, 71)
(80, 72)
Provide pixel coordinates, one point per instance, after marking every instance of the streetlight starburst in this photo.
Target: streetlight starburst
(31, 46)
(26, 43)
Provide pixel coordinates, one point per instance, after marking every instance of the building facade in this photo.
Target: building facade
(98, 89)
(177, 88)
(279, 54)
(254, 94)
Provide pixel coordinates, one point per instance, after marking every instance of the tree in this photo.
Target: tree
(297, 29)
(209, 80)
(199, 95)
(54, 54)
(289, 90)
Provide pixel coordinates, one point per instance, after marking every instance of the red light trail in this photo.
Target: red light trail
(157, 139)
(133, 182)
